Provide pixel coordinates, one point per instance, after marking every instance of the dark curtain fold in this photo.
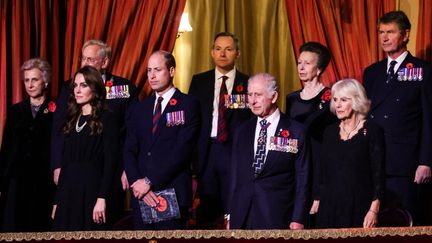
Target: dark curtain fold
(346, 27)
(56, 30)
(424, 31)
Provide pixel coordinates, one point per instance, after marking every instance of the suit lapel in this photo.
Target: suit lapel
(249, 144)
(27, 110)
(382, 89)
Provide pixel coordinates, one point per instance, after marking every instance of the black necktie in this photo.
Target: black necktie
(157, 114)
(222, 130)
(390, 72)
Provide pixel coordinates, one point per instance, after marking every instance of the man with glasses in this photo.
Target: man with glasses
(120, 94)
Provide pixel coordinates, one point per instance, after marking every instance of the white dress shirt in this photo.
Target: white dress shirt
(166, 97)
(271, 129)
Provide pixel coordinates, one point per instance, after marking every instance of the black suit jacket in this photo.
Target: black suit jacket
(404, 110)
(202, 87)
(118, 107)
(164, 158)
(279, 194)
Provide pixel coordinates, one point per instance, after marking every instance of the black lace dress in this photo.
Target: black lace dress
(352, 176)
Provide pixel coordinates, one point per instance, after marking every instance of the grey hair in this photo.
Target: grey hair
(40, 64)
(104, 50)
(351, 88)
(271, 82)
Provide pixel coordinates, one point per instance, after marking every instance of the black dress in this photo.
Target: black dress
(87, 168)
(27, 186)
(352, 176)
(315, 115)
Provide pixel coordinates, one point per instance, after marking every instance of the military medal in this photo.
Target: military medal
(410, 73)
(236, 101)
(283, 144)
(175, 118)
(118, 92)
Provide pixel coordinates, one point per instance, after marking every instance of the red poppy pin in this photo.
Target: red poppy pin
(239, 88)
(326, 96)
(173, 102)
(409, 65)
(284, 133)
(109, 83)
(52, 106)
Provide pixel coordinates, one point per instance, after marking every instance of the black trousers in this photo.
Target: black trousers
(213, 187)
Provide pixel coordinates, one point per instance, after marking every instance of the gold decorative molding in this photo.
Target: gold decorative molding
(207, 234)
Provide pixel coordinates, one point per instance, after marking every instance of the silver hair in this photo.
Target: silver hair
(351, 88)
(40, 64)
(104, 50)
(271, 82)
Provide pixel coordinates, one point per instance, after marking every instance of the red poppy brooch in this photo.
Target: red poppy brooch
(284, 133)
(325, 98)
(51, 107)
(239, 88)
(409, 65)
(173, 102)
(109, 83)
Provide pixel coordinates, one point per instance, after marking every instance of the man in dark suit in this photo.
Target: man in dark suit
(399, 88)
(218, 125)
(162, 133)
(121, 93)
(270, 165)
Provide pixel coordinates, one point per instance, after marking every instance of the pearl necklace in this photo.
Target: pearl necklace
(349, 133)
(77, 127)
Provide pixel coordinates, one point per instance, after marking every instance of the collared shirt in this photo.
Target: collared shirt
(104, 78)
(166, 97)
(399, 61)
(271, 129)
(218, 82)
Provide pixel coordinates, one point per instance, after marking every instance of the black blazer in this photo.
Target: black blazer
(202, 87)
(164, 158)
(404, 110)
(279, 194)
(118, 106)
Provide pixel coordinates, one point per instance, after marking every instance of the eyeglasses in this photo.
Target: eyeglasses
(91, 60)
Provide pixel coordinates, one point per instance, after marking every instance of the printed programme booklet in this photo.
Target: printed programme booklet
(167, 208)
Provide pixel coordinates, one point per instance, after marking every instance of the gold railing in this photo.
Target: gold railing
(232, 234)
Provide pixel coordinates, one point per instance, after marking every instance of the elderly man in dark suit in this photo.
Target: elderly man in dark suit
(121, 93)
(270, 173)
(399, 88)
(162, 133)
(219, 121)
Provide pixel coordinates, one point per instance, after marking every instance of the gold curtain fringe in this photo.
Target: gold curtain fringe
(232, 234)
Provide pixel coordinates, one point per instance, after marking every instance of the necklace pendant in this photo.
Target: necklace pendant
(79, 128)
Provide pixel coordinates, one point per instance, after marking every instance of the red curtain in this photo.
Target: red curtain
(424, 31)
(346, 27)
(56, 30)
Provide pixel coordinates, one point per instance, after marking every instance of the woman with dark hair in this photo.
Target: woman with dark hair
(88, 158)
(310, 105)
(352, 175)
(26, 185)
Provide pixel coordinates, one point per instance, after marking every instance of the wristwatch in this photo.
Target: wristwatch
(147, 181)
